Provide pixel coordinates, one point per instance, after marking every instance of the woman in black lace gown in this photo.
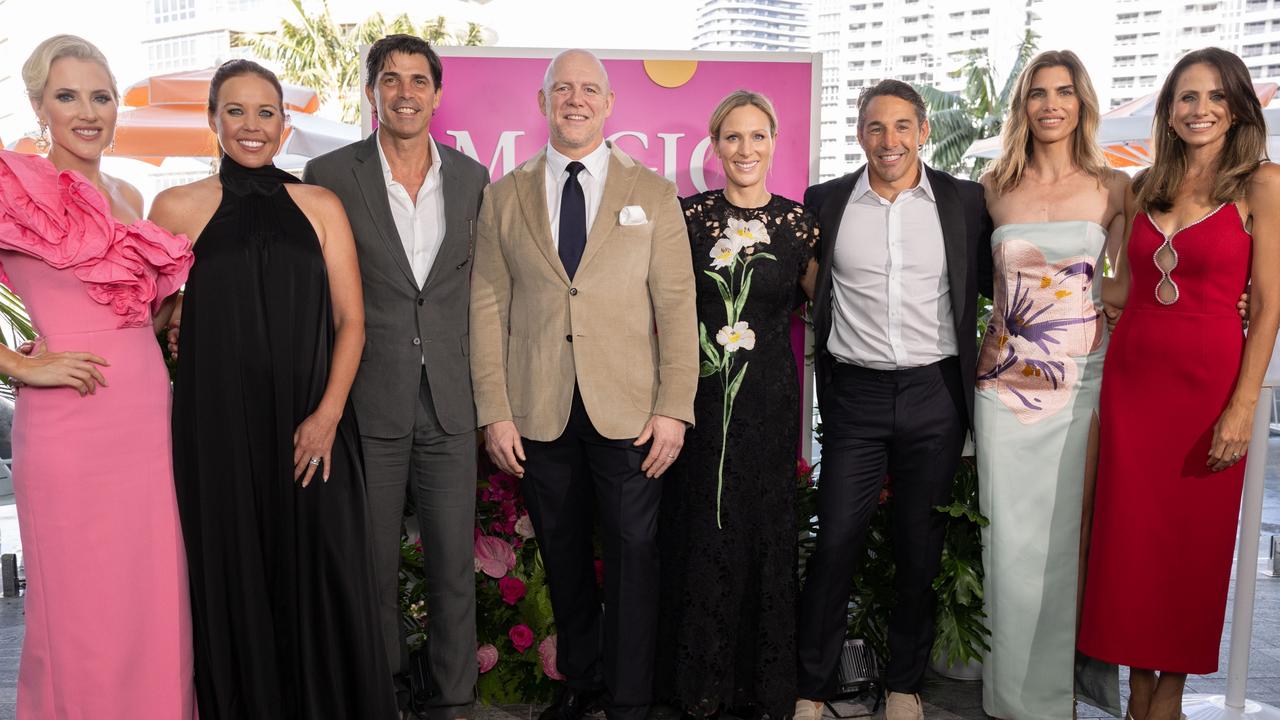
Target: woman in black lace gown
(727, 525)
(266, 459)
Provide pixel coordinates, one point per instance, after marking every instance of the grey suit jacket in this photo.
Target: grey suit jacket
(404, 323)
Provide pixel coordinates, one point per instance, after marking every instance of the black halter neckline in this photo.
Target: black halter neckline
(241, 180)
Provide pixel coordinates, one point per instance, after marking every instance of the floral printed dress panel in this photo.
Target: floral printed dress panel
(728, 527)
(1039, 378)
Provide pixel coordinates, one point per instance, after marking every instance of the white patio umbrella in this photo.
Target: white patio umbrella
(1125, 132)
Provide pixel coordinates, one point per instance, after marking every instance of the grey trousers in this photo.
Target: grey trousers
(440, 470)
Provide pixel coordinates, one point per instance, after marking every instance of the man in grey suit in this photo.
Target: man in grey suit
(413, 205)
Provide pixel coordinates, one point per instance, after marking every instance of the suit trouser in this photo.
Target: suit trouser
(440, 470)
(909, 424)
(565, 481)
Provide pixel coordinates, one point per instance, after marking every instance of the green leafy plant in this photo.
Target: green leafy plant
(957, 120)
(320, 53)
(17, 328)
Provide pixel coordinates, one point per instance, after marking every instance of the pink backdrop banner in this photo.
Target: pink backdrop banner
(489, 110)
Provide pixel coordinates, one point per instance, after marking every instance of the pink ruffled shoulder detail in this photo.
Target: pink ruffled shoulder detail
(62, 219)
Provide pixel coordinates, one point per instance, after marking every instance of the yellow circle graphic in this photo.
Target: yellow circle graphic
(670, 73)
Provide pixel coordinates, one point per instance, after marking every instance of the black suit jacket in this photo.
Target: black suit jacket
(966, 233)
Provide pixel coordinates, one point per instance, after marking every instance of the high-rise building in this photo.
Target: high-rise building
(1148, 37)
(753, 25)
(1259, 40)
(917, 41)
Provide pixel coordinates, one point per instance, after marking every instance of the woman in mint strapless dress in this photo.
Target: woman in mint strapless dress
(1058, 210)
(108, 625)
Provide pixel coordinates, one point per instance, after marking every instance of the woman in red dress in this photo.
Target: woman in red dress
(1181, 382)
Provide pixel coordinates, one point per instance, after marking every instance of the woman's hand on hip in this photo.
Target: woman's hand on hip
(76, 370)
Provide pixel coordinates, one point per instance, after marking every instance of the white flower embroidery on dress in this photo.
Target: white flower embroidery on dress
(747, 232)
(724, 253)
(731, 259)
(739, 336)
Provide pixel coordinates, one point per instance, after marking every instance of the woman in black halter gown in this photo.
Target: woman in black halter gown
(266, 456)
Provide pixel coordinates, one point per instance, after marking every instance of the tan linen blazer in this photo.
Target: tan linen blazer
(625, 329)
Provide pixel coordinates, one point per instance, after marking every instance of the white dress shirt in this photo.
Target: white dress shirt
(419, 223)
(891, 304)
(592, 181)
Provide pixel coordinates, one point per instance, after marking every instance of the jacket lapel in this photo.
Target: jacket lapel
(373, 186)
(531, 189)
(954, 239)
(455, 216)
(829, 217)
(617, 188)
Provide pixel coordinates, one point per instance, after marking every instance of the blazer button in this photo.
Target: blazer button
(568, 338)
(417, 341)
(421, 301)
(573, 291)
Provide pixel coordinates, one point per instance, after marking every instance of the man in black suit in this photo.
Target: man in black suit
(905, 251)
(413, 206)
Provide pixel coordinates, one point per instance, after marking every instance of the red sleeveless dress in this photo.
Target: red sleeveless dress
(1164, 526)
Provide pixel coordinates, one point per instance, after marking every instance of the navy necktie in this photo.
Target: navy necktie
(573, 220)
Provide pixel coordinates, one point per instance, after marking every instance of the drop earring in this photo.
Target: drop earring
(42, 140)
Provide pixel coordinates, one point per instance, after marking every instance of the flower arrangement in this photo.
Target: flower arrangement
(516, 652)
(515, 629)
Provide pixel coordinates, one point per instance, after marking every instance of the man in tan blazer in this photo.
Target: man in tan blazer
(584, 361)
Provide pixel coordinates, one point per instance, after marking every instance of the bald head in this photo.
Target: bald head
(575, 97)
(576, 57)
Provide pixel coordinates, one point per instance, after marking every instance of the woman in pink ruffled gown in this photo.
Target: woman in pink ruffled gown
(108, 629)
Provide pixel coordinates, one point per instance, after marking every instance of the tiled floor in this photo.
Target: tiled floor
(944, 699)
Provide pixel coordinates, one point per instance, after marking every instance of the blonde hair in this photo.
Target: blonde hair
(1016, 138)
(735, 100)
(35, 71)
(1246, 142)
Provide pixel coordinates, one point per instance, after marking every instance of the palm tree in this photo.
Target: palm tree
(956, 120)
(324, 55)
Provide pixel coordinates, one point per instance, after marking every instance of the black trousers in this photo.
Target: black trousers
(566, 482)
(909, 424)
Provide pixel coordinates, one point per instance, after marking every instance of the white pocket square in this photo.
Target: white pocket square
(632, 215)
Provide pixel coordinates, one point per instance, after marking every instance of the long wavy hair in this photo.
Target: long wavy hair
(1016, 137)
(1246, 142)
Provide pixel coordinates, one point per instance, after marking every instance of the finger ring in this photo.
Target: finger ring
(315, 461)
(670, 456)
(1235, 456)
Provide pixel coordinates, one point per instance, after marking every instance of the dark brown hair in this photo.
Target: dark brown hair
(399, 43)
(1246, 142)
(892, 88)
(236, 68)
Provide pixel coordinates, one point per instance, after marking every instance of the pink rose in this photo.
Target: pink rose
(521, 637)
(487, 656)
(494, 556)
(512, 589)
(547, 652)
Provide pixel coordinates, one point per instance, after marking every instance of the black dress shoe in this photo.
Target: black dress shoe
(572, 705)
